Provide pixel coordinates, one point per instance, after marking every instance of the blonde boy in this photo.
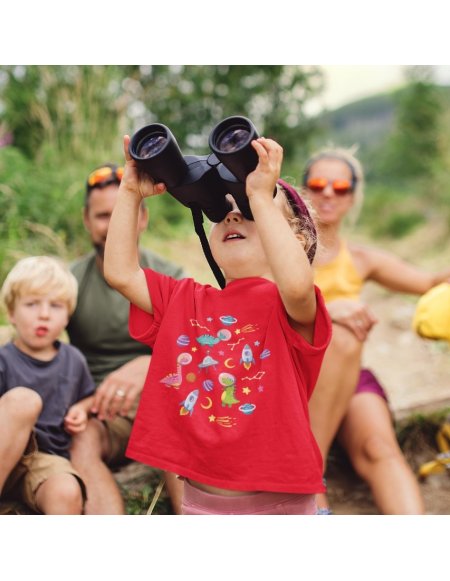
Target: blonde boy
(45, 389)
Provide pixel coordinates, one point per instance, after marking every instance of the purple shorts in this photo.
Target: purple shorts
(198, 502)
(368, 383)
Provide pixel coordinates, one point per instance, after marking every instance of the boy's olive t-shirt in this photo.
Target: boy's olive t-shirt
(99, 325)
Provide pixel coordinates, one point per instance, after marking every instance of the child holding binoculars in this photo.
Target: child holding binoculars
(225, 404)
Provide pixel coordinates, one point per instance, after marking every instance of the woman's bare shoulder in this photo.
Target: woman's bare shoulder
(364, 256)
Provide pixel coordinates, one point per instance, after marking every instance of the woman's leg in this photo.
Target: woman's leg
(335, 387)
(368, 436)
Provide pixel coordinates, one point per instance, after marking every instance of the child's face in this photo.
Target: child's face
(329, 206)
(39, 320)
(236, 245)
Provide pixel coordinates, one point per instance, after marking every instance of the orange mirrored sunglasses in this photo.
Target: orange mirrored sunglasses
(104, 175)
(340, 187)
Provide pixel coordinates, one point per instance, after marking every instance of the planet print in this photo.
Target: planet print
(247, 408)
(208, 385)
(228, 320)
(183, 340)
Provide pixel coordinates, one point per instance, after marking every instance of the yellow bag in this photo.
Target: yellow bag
(432, 316)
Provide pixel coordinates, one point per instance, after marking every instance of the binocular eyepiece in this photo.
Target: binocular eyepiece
(201, 181)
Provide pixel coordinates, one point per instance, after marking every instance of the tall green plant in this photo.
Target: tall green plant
(413, 149)
(65, 120)
(74, 111)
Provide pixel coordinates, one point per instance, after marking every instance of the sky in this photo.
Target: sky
(347, 83)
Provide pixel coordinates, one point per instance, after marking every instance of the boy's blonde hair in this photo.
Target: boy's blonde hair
(40, 275)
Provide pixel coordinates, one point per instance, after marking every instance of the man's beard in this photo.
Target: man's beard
(100, 250)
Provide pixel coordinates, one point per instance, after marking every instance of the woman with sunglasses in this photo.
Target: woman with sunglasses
(348, 401)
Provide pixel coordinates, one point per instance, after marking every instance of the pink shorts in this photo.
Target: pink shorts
(368, 383)
(197, 501)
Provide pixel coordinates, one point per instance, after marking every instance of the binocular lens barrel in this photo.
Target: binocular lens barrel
(231, 141)
(156, 152)
(151, 145)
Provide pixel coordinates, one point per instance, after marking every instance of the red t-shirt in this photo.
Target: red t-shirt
(225, 401)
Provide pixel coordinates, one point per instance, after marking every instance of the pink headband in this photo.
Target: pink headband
(301, 211)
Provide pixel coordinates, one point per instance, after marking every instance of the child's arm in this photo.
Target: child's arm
(76, 418)
(121, 267)
(289, 264)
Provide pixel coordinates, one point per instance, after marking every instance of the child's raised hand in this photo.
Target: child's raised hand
(137, 182)
(263, 180)
(75, 420)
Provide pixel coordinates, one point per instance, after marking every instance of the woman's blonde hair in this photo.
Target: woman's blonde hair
(347, 155)
(40, 275)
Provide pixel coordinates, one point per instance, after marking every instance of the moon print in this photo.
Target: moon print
(206, 407)
(227, 363)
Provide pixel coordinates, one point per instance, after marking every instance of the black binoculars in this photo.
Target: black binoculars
(201, 181)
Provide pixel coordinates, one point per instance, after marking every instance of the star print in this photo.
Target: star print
(256, 343)
(209, 319)
(261, 388)
(221, 353)
(212, 418)
(194, 349)
(246, 390)
(237, 332)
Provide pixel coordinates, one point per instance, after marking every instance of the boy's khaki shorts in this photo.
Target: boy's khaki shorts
(32, 470)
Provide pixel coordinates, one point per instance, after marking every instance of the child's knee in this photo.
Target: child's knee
(23, 403)
(60, 494)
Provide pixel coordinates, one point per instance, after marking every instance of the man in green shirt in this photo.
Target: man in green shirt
(119, 365)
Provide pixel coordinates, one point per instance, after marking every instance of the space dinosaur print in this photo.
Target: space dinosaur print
(218, 375)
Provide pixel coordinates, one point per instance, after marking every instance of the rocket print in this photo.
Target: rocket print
(247, 357)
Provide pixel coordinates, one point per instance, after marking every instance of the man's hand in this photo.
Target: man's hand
(120, 389)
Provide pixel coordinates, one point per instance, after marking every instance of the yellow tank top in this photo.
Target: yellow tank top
(339, 279)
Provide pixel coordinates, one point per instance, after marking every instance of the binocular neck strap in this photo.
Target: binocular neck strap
(197, 216)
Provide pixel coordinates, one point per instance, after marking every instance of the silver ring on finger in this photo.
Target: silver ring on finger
(120, 393)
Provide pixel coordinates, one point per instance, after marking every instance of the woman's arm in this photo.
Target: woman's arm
(121, 267)
(394, 273)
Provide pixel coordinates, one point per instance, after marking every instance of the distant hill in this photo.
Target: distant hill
(366, 122)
